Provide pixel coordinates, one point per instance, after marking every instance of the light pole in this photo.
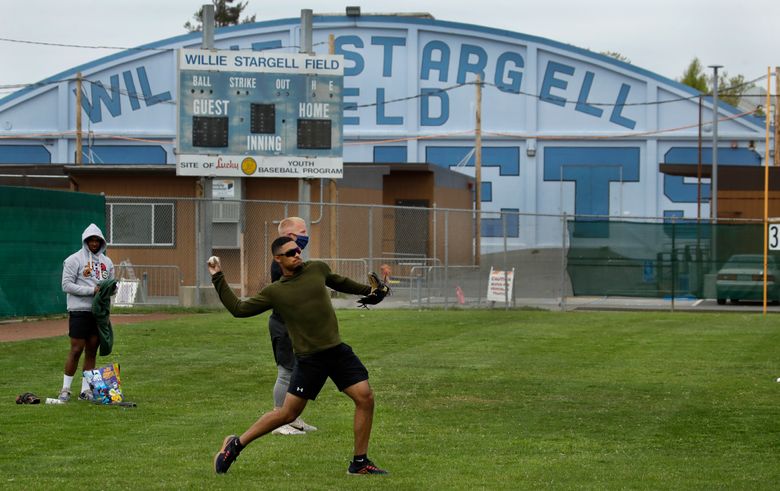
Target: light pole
(714, 181)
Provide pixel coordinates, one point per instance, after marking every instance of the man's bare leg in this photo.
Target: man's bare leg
(71, 362)
(363, 396)
(292, 408)
(232, 445)
(90, 352)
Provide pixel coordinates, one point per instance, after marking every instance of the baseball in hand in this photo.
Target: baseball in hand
(214, 266)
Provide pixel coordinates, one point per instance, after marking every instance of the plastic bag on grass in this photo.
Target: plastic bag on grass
(105, 384)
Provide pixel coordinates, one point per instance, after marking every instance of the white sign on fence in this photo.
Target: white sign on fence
(500, 285)
(126, 293)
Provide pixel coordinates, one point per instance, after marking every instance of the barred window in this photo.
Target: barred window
(140, 224)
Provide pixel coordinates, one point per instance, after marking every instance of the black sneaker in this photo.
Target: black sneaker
(364, 467)
(231, 447)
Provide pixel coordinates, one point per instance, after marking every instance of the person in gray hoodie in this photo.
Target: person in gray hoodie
(82, 272)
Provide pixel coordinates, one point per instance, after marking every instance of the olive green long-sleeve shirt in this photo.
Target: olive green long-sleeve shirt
(302, 300)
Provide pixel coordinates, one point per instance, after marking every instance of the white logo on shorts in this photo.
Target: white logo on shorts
(299, 389)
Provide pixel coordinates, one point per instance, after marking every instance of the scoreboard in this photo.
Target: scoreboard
(259, 114)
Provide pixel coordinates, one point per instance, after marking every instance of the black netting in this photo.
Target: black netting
(656, 259)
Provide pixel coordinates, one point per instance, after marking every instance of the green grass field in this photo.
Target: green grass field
(465, 400)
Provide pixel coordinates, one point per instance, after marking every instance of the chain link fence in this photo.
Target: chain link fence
(432, 257)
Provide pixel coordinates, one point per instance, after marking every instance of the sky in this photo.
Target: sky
(662, 36)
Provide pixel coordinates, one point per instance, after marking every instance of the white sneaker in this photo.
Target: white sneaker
(64, 395)
(302, 425)
(287, 430)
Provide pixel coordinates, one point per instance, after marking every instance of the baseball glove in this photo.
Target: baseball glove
(379, 290)
(27, 398)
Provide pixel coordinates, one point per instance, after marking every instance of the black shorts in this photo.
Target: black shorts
(339, 363)
(82, 325)
(281, 343)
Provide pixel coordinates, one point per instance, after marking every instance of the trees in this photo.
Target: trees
(730, 89)
(616, 55)
(693, 76)
(224, 15)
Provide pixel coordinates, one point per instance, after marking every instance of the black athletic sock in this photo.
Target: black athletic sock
(359, 458)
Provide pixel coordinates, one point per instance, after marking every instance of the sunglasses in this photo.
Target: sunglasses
(291, 252)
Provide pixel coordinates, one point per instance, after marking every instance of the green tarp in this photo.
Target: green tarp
(38, 230)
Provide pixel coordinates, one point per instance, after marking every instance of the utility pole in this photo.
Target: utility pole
(714, 203)
(332, 190)
(478, 173)
(777, 114)
(304, 185)
(78, 119)
(205, 189)
(698, 170)
(766, 184)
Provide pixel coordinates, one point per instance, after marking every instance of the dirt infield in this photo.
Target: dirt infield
(22, 330)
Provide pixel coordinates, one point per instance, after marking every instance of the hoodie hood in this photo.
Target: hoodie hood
(91, 230)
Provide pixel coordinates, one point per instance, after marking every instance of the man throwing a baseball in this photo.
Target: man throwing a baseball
(301, 297)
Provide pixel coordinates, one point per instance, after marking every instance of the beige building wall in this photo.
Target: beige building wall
(336, 231)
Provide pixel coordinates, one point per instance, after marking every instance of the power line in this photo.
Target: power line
(434, 91)
(124, 48)
(83, 46)
(500, 87)
(416, 96)
(749, 83)
(377, 103)
(125, 92)
(428, 93)
(621, 136)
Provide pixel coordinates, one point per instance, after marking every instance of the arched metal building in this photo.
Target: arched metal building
(564, 129)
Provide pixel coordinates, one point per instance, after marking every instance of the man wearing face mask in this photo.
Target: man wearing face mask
(294, 228)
